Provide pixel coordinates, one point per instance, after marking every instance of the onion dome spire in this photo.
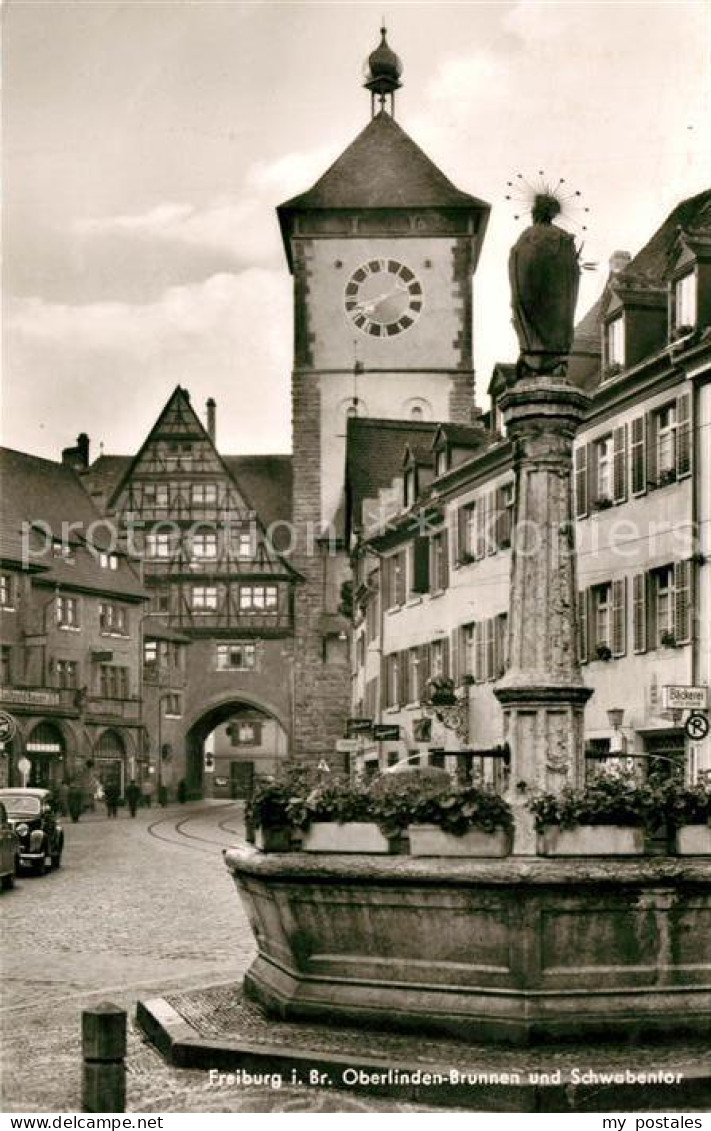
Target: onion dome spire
(382, 75)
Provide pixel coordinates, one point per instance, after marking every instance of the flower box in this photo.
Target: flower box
(591, 840)
(273, 839)
(348, 836)
(693, 840)
(430, 840)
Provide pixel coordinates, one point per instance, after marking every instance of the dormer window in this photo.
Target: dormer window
(410, 492)
(615, 342)
(684, 305)
(441, 462)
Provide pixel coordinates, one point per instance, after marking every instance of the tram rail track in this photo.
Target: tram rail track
(169, 824)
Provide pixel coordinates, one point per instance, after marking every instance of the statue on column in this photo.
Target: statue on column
(544, 273)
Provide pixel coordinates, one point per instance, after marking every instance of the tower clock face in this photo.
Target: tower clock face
(383, 297)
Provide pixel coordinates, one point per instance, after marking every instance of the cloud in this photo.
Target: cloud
(109, 354)
(242, 227)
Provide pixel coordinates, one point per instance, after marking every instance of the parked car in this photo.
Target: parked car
(40, 835)
(9, 851)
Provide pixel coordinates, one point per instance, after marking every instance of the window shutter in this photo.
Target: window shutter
(490, 648)
(619, 617)
(404, 681)
(592, 474)
(501, 626)
(619, 478)
(421, 561)
(639, 613)
(461, 548)
(424, 669)
(682, 602)
(446, 658)
(493, 523)
(481, 526)
(581, 481)
(444, 571)
(401, 595)
(583, 645)
(651, 590)
(639, 456)
(651, 432)
(385, 683)
(456, 656)
(683, 435)
(480, 649)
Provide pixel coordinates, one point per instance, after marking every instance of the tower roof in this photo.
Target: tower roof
(383, 168)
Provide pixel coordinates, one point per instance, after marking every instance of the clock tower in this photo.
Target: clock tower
(382, 249)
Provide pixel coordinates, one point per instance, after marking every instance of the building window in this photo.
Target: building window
(163, 603)
(441, 462)
(243, 544)
(258, 598)
(67, 612)
(440, 563)
(108, 561)
(112, 619)
(615, 341)
(172, 705)
(7, 592)
(150, 653)
(410, 487)
(413, 675)
(203, 494)
(156, 496)
(66, 673)
(158, 545)
(395, 574)
(468, 651)
(665, 430)
(602, 614)
(113, 681)
(437, 659)
(236, 657)
(204, 546)
(245, 733)
(664, 605)
(685, 302)
(5, 666)
(392, 680)
(603, 465)
(467, 533)
(372, 610)
(204, 598)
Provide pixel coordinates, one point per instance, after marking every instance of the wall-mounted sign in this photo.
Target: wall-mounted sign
(685, 698)
(346, 746)
(358, 726)
(29, 697)
(386, 732)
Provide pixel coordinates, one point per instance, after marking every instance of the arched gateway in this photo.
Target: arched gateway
(228, 745)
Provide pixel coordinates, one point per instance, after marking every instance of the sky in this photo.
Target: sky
(146, 146)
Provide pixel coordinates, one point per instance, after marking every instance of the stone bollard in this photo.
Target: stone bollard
(103, 1039)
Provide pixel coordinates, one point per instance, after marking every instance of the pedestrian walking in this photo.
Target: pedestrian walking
(111, 797)
(133, 796)
(147, 792)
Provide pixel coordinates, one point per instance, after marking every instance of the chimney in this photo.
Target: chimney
(618, 261)
(78, 457)
(211, 423)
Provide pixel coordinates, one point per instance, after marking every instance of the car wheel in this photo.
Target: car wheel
(57, 859)
(39, 867)
(8, 881)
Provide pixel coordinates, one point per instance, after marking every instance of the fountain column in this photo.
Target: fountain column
(542, 693)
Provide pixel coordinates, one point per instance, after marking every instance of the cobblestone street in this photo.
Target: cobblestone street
(139, 908)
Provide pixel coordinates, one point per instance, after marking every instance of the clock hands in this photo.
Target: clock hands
(370, 306)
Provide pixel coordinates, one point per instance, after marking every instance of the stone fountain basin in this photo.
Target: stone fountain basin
(517, 949)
